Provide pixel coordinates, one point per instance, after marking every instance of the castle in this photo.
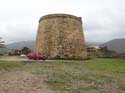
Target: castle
(61, 36)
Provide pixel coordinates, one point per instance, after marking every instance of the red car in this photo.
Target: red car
(36, 56)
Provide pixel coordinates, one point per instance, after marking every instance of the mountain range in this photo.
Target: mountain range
(117, 45)
(19, 45)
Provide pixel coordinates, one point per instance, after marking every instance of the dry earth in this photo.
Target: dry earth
(91, 76)
(23, 82)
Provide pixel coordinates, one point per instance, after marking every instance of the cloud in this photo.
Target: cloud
(18, 32)
(105, 25)
(103, 20)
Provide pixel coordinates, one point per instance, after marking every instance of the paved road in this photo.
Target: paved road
(19, 59)
(13, 59)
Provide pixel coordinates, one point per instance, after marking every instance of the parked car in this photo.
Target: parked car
(23, 56)
(36, 56)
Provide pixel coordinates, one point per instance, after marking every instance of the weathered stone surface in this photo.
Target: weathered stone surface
(61, 35)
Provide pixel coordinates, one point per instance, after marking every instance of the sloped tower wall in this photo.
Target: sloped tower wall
(61, 35)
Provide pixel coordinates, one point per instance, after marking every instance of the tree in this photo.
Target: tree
(2, 43)
(25, 50)
(105, 50)
(2, 47)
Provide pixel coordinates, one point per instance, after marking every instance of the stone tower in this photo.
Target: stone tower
(61, 36)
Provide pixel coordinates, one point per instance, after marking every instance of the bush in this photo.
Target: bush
(1, 54)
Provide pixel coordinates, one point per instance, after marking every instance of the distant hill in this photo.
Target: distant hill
(117, 45)
(29, 44)
(93, 43)
(17, 45)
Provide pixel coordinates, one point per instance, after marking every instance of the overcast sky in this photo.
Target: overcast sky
(103, 20)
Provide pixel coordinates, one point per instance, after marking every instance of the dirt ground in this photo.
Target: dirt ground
(23, 82)
(90, 76)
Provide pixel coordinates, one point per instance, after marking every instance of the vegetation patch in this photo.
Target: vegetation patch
(9, 65)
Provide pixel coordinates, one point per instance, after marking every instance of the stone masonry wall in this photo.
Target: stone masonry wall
(61, 35)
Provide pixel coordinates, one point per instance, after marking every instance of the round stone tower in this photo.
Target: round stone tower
(61, 36)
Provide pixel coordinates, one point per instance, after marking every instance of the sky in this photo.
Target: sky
(103, 20)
